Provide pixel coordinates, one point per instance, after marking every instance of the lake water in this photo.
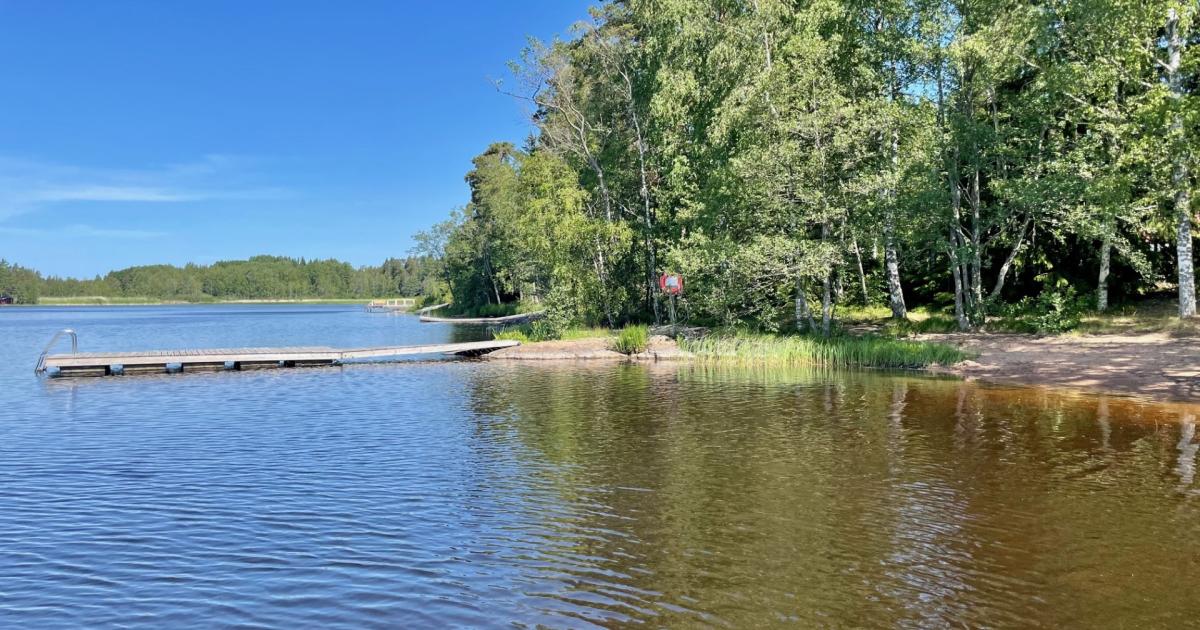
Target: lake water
(466, 493)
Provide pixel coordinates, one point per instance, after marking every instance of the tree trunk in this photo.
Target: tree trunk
(1102, 282)
(958, 267)
(952, 244)
(767, 62)
(602, 276)
(1008, 262)
(1183, 245)
(956, 270)
(892, 262)
(976, 260)
(862, 276)
(826, 291)
(487, 267)
(804, 318)
(1180, 176)
(962, 297)
(827, 304)
(648, 212)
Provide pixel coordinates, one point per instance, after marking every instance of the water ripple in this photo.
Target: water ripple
(477, 494)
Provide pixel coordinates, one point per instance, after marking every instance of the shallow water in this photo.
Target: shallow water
(491, 494)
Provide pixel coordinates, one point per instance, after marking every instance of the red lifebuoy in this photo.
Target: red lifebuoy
(671, 283)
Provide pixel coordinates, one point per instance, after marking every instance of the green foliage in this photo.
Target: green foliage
(538, 331)
(632, 339)
(772, 151)
(525, 236)
(19, 283)
(932, 324)
(835, 352)
(542, 330)
(572, 334)
(791, 159)
(261, 278)
(1054, 310)
(512, 333)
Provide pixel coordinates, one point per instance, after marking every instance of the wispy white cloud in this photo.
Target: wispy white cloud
(108, 193)
(28, 186)
(81, 230)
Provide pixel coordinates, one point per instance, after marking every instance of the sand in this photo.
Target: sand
(1155, 365)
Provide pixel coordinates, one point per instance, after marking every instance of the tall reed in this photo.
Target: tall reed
(836, 352)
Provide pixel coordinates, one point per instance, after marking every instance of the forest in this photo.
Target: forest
(260, 277)
(971, 157)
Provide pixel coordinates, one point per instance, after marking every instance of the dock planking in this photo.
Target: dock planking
(216, 359)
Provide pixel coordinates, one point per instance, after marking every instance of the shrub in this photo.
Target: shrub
(1054, 310)
(632, 339)
(542, 330)
(1057, 310)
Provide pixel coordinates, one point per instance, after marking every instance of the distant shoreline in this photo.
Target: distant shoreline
(93, 301)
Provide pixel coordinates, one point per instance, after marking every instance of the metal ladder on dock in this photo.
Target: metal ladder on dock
(41, 364)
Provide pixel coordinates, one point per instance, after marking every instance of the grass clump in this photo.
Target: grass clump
(920, 325)
(572, 334)
(512, 333)
(542, 331)
(836, 352)
(860, 314)
(632, 339)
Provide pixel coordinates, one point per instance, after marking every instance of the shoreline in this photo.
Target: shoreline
(73, 302)
(1154, 367)
(589, 349)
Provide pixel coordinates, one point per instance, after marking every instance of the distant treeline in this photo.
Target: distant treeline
(260, 277)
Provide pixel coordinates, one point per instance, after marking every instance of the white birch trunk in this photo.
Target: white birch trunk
(1180, 175)
(827, 304)
(976, 251)
(957, 266)
(826, 293)
(862, 276)
(1102, 281)
(1008, 262)
(648, 212)
(891, 259)
(804, 318)
(892, 264)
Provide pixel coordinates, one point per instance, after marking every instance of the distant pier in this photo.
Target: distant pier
(401, 305)
(519, 318)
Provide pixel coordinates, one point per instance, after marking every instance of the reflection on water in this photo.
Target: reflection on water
(486, 494)
(749, 497)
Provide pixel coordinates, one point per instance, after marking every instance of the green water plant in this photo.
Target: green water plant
(632, 339)
(837, 352)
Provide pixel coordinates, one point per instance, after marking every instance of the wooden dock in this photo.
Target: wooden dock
(217, 359)
(400, 305)
(519, 318)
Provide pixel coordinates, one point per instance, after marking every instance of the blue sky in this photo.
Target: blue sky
(137, 132)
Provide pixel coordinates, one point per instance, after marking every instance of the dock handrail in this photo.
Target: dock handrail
(41, 364)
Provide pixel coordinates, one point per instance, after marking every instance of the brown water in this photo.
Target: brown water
(497, 494)
(750, 498)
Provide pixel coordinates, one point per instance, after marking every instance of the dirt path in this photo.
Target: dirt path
(1152, 365)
